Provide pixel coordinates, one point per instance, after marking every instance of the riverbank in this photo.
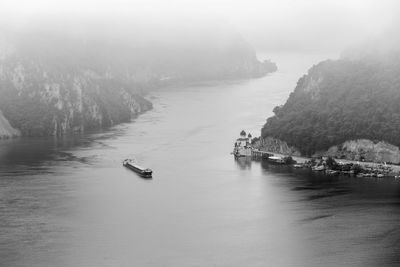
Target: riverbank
(369, 169)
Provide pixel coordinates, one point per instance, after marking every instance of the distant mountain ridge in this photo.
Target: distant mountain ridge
(341, 100)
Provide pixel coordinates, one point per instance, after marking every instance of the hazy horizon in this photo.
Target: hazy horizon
(269, 26)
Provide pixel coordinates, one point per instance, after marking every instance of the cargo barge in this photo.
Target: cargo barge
(144, 172)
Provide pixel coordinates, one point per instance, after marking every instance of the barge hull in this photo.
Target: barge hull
(143, 173)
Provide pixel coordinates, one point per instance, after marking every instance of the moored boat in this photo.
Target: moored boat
(298, 165)
(276, 160)
(131, 164)
(318, 168)
(332, 172)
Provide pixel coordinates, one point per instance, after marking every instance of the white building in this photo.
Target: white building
(243, 145)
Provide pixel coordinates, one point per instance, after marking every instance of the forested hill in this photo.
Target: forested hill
(346, 99)
(57, 78)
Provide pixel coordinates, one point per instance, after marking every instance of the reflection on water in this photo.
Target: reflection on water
(243, 162)
(69, 202)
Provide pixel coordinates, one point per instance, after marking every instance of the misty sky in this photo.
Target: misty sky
(270, 26)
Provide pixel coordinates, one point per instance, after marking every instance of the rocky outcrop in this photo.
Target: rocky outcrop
(267, 66)
(274, 145)
(38, 99)
(363, 149)
(312, 86)
(360, 150)
(6, 130)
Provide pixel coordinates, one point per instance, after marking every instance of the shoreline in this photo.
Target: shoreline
(364, 164)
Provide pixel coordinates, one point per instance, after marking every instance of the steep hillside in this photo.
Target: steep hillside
(341, 100)
(38, 99)
(55, 82)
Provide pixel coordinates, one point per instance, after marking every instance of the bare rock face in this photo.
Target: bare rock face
(274, 145)
(312, 86)
(6, 130)
(38, 99)
(363, 149)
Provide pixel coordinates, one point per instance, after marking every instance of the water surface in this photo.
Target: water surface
(69, 202)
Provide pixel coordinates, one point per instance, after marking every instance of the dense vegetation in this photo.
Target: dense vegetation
(341, 100)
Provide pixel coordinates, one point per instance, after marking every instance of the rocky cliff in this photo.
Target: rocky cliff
(364, 149)
(6, 130)
(40, 100)
(360, 150)
(274, 145)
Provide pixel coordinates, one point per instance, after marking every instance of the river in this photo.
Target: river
(69, 201)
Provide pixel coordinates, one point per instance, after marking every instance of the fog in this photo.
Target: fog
(86, 84)
(311, 26)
